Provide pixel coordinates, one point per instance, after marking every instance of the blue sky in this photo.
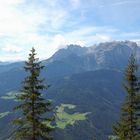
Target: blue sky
(49, 25)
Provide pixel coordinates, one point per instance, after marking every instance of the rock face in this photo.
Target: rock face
(110, 55)
(114, 54)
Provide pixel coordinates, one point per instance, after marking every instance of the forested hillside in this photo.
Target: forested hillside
(85, 85)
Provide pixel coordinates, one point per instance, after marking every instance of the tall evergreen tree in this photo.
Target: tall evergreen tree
(33, 107)
(128, 128)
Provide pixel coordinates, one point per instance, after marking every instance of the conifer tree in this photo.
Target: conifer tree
(128, 128)
(33, 107)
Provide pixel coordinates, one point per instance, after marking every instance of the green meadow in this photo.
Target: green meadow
(4, 114)
(64, 119)
(9, 96)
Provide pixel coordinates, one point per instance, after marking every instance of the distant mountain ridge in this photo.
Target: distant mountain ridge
(101, 52)
(119, 46)
(75, 59)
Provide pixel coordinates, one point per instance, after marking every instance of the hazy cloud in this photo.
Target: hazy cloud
(12, 49)
(51, 24)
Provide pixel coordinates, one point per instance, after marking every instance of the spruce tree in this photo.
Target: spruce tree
(128, 128)
(33, 107)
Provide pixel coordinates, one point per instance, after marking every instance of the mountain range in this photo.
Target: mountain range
(88, 77)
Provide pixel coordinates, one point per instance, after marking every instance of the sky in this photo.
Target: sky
(49, 25)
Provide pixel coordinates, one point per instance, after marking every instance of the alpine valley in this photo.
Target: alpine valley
(85, 89)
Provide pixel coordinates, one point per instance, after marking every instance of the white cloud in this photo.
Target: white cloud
(75, 3)
(11, 2)
(102, 38)
(12, 57)
(120, 3)
(86, 36)
(130, 34)
(20, 24)
(58, 41)
(80, 42)
(12, 49)
(54, 43)
(47, 25)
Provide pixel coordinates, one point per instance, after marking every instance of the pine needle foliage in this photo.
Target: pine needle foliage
(128, 127)
(32, 105)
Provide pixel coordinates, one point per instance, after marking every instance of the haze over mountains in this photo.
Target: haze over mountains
(84, 76)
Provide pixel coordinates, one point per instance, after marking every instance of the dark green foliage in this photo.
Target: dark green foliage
(32, 105)
(128, 127)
